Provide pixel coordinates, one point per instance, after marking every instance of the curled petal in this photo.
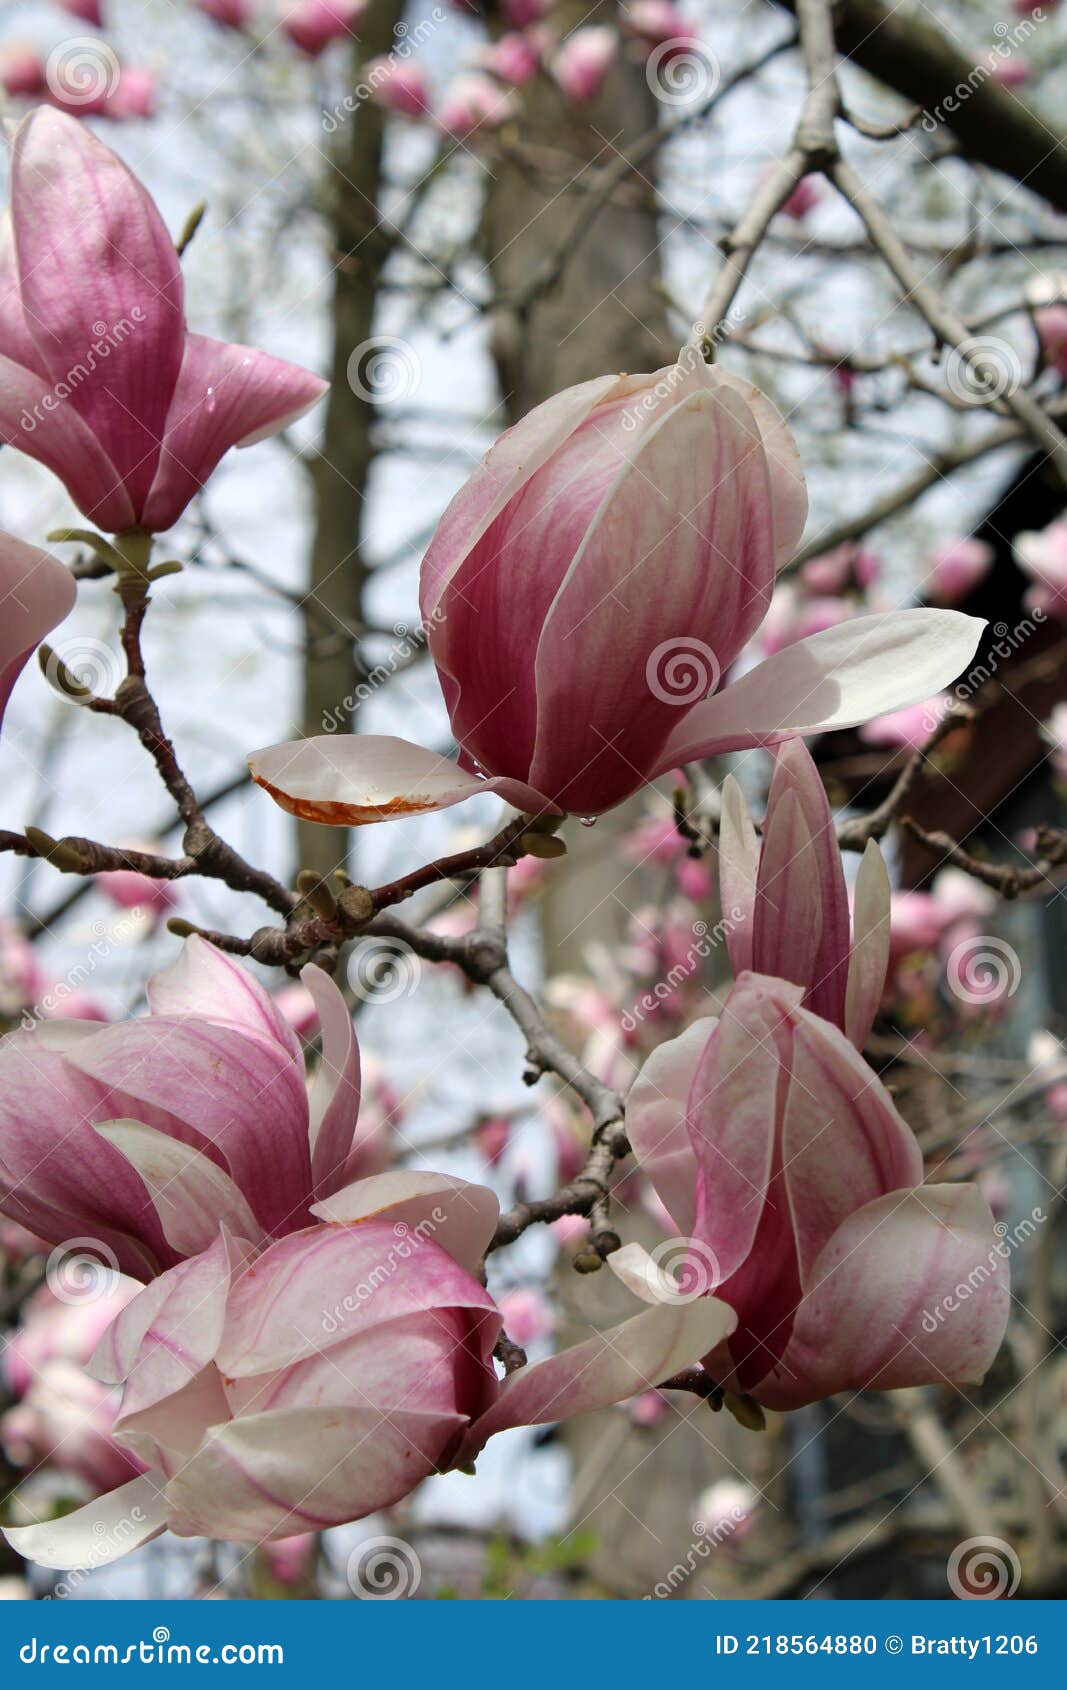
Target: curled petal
(656, 1124)
(870, 945)
(457, 1215)
(36, 592)
(207, 983)
(335, 1091)
(99, 1533)
(739, 855)
(351, 779)
(192, 1196)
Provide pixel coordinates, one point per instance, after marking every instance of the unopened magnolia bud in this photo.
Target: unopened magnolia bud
(97, 544)
(356, 904)
(59, 852)
(172, 566)
(60, 678)
(745, 1410)
(318, 894)
(192, 224)
(587, 1261)
(542, 845)
(181, 928)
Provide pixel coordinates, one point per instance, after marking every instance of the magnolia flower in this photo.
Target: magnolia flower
(956, 568)
(653, 23)
(22, 70)
(837, 571)
(312, 25)
(916, 923)
(1051, 322)
(526, 1315)
(1043, 556)
(133, 96)
(785, 903)
(397, 84)
(907, 729)
(231, 14)
(514, 59)
(582, 63)
(590, 586)
(36, 592)
(145, 1135)
(322, 1378)
(90, 11)
(474, 102)
(780, 1156)
(804, 198)
(521, 13)
(129, 890)
(99, 378)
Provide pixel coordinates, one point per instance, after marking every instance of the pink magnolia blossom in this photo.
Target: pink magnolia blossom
(231, 14)
(66, 1421)
(653, 23)
(474, 102)
(803, 199)
(515, 59)
(526, 1315)
(1051, 323)
(290, 1559)
(521, 13)
(846, 566)
(22, 70)
(99, 378)
(1010, 70)
(916, 923)
(322, 1378)
(961, 901)
(586, 591)
(133, 96)
(492, 1137)
(780, 1156)
(397, 84)
(1055, 732)
(583, 61)
(129, 890)
(55, 1329)
(90, 11)
(1043, 556)
(956, 568)
(146, 1135)
(36, 593)
(785, 903)
(312, 25)
(907, 729)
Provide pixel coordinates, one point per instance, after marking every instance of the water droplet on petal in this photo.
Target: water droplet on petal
(588, 821)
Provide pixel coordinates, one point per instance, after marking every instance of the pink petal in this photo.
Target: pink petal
(739, 855)
(834, 679)
(97, 267)
(205, 982)
(870, 945)
(843, 1142)
(226, 395)
(266, 1476)
(47, 429)
(789, 494)
(350, 779)
(320, 1287)
(655, 1120)
(334, 1104)
(510, 462)
(239, 1099)
(36, 592)
(795, 771)
(99, 1533)
(457, 1215)
(912, 1289)
(619, 1363)
(677, 562)
(788, 918)
(191, 1195)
